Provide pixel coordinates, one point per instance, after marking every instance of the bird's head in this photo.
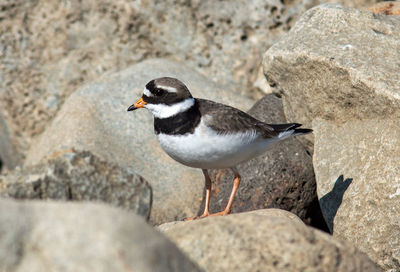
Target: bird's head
(164, 97)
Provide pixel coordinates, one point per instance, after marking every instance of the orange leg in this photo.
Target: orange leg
(236, 183)
(208, 195)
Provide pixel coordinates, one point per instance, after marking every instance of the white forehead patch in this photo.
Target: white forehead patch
(164, 111)
(168, 88)
(147, 92)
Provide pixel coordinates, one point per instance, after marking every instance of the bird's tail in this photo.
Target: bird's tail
(302, 131)
(287, 130)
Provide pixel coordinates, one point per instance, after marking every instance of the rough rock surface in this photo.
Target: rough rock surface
(277, 243)
(281, 178)
(357, 169)
(326, 67)
(79, 176)
(387, 8)
(38, 236)
(265, 212)
(48, 49)
(359, 4)
(94, 118)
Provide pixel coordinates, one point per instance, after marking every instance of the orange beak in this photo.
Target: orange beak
(139, 104)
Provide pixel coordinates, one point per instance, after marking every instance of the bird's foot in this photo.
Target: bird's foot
(222, 213)
(205, 214)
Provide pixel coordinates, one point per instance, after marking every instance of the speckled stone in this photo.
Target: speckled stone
(41, 236)
(337, 63)
(358, 179)
(258, 241)
(79, 176)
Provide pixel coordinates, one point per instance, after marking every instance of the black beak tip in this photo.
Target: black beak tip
(131, 108)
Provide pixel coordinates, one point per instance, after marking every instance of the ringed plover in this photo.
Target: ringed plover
(204, 134)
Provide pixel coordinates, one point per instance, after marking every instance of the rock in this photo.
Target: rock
(359, 4)
(258, 242)
(387, 8)
(94, 118)
(56, 48)
(281, 178)
(277, 213)
(48, 236)
(326, 67)
(265, 212)
(261, 83)
(323, 68)
(357, 170)
(81, 176)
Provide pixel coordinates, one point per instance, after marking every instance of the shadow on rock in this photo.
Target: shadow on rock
(331, 202)
(314, 213)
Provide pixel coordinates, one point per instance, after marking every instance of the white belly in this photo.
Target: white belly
(207, 150)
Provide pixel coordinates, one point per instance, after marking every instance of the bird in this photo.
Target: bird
(204, 134)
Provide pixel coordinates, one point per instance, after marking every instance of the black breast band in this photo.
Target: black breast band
(179, 124)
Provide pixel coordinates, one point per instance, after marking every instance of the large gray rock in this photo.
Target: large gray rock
(281, 178)
(94, 118)
(55, 48)
(72, 175)
(338, 63)
(326, 68)
(265, 212)
(358, 180)
(263, 241)
(39, 236)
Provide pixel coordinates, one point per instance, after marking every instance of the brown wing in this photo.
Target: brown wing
(226, 119)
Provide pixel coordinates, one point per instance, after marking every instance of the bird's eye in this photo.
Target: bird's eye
(159, 92)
